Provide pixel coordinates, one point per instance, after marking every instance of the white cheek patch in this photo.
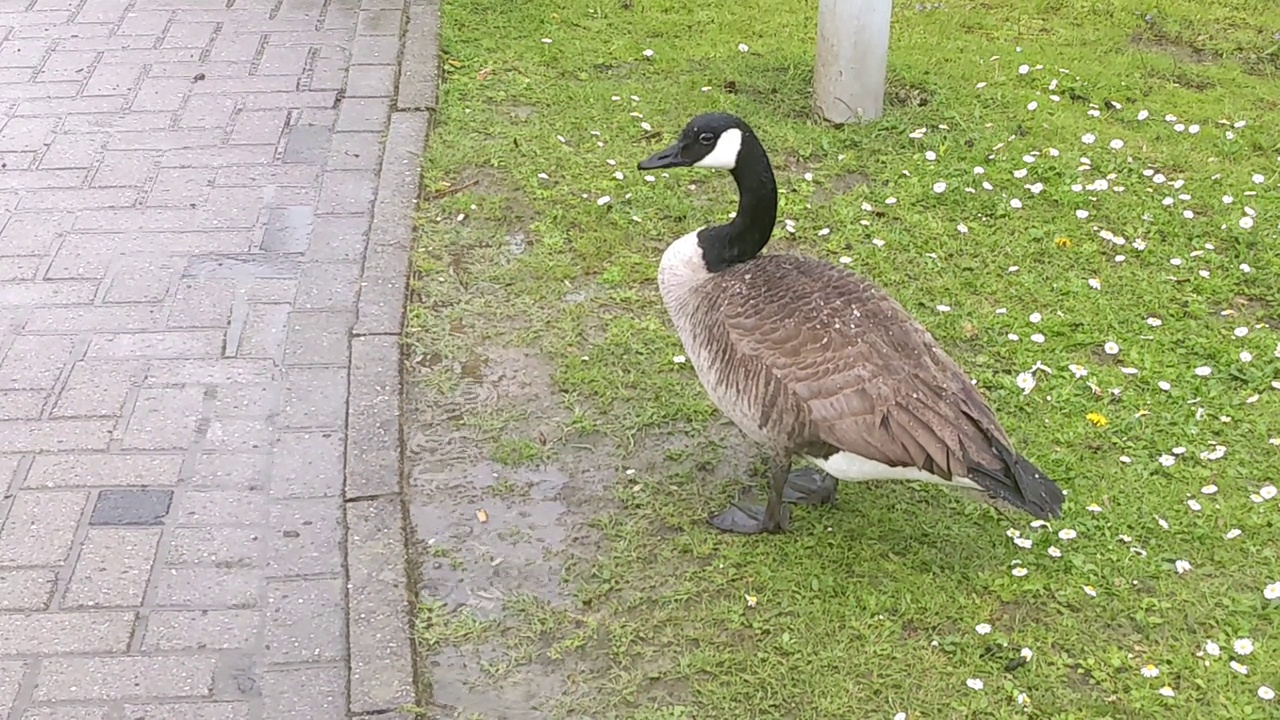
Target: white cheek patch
(724, 156)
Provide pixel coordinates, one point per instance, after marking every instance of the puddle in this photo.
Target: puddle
(485, 534)
(484, 545)
(527, 694)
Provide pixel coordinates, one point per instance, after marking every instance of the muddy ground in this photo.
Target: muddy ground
(502, 635)
(487, 533)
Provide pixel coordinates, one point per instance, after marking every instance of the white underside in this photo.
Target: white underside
(855, 468)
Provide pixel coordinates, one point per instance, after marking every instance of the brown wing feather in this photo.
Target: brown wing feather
(876, 383)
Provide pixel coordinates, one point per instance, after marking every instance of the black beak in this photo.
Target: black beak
(665, 158)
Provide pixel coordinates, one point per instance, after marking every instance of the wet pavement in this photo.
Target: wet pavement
(188, 191)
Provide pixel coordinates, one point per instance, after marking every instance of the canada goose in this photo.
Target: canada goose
(811, 360)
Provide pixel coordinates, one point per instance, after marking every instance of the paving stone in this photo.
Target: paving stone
(234, 588)
(185, 213)
(55, 435)
(217, 547)
(371, 114)
(276, 60)
(181, 186)
(135, 507)
(229, 471)
(211, 111)
(318, 338)
(11, 674)
(164, 419)
(41, 528)
(183, 372)
(314, 397)
(265, 331)
(328, 286)
(375, 50)
(312, 693)
(22, 405)
(124, 678)
(9, 465)
(355, 151)
(247, 400)
(65, 632)
(35, 363)
(97, 388)
(220, 507)
(190, 711)
(29, 589)
(306, 537)
(371, 81)
(173, 344)
(202, 303)
(305, 620)
(201, 630)
(239, 435)
(307, 144)
(114, 567)
(339, 237)
(101, 318)
(99, 470)
(288, 229)
(308, 464)
(378, 22)
(68, 712)
(344, 192)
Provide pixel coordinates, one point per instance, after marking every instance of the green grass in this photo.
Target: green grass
(868, 608)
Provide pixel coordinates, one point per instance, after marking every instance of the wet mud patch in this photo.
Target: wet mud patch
(492, 540)
(521, 612)
(1256, 57)
(1157, 40)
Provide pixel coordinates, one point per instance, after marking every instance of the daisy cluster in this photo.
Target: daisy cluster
(1097, 167)
(1088, 172)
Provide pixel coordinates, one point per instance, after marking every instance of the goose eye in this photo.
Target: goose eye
(706, 138)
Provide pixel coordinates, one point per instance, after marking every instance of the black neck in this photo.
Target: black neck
(724, 246)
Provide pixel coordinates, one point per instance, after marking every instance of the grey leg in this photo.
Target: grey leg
(807, 486)
(751, 518)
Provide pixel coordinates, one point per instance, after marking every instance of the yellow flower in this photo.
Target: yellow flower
(1062, 242)
(1097, 419)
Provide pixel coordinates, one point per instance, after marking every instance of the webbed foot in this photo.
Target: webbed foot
(750, 519)
(807, 486)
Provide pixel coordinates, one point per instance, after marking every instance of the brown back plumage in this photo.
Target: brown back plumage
(863, 376)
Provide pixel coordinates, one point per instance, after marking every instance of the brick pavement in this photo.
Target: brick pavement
(186, 194)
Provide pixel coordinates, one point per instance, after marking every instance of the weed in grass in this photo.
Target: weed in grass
(1078, 199)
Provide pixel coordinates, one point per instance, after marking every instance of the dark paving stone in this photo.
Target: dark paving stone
(131, 507)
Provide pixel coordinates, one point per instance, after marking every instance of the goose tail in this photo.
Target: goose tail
(1021, 484)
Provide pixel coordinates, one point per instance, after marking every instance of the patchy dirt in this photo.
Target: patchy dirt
(906, 95)
(1154, 39)
(839, 185)
(488, 535)
(1260, 61)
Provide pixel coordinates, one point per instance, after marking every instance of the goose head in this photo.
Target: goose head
(725, 142)
(710, 140)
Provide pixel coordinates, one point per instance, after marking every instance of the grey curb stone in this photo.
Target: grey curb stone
(420, 66)
(373, 417)
(384, 278)
(378, 607)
